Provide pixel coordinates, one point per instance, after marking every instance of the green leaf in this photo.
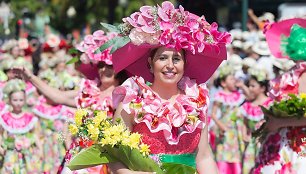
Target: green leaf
(175, 168)
(73, 60)
(106, 45)
(134, 160)
(120, 42)
(73, 51)
(265, 110)
(111, 28)
(89, 157)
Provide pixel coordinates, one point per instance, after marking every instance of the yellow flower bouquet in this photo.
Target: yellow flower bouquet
(106, 141)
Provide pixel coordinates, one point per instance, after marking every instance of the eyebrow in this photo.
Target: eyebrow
(168, 55)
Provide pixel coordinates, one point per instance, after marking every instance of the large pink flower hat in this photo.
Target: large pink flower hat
(165, 25)
(88, 59)
(278, 31)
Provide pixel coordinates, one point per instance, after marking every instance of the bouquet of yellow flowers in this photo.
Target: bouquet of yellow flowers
(293, 106)
(106, 141)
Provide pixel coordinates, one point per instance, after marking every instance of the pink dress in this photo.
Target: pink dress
(169, 128)
(21, 153)
(284, 151)
(89, 97)
(52, 127)
(253, 117)
(230, 145)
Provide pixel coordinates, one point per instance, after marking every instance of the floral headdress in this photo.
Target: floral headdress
(91, 43)
(13, 85)
(259, 73)
(167, 26)
(225, 70)
(51, 78)
(295, 45)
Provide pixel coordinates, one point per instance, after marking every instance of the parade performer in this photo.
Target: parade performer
(20, 136)
(283, 151)
(95, 91)
(168, 47)
(229, 143)
(253, 116)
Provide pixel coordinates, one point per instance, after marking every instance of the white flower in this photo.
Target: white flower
(137, 37)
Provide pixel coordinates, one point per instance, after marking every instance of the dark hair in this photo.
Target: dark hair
(121, 76)
(263, 83)
(217, 81)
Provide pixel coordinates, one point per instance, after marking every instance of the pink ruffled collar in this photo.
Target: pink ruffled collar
(89, 97)
(42, 109)
(254, 112)
(187, 113)
(19, 125)
(287, 83)
(230, 99)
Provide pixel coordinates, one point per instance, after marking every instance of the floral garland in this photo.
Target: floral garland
(167, 26)
(89, 46)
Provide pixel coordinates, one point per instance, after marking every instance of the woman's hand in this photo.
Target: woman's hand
(22, 73)
(273, 124)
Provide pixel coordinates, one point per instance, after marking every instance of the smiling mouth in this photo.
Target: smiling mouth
(169, 74)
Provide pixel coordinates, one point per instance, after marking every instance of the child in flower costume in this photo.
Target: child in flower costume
(170, 112)
(20, 133)
(283, 149)
(95, 91)
(229, 142)
(258, 86)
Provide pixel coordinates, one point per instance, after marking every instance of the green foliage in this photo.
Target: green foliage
(96, 155)
(174, 168)
(292, 107)
(88, 12)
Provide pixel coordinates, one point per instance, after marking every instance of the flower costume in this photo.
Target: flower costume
(253, 116)
(287, 146)
(230, 146)
(172, 130)
(51, 125)
(284, 151)
(21, 154)
(89, 97)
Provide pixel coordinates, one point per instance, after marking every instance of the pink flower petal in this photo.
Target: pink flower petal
(162, 14)
(146, 11)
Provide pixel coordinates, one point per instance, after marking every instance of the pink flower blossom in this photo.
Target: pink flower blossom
(175, 28)
(90, 45)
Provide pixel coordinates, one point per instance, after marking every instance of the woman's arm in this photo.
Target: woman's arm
(221, 126)
(275, 123)
(204, 158)
(55, 95)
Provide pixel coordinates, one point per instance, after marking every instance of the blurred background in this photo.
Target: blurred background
(81, 16)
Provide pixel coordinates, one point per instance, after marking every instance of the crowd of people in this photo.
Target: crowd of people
(207, 109)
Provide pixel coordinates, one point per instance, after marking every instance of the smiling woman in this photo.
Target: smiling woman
(170, 113)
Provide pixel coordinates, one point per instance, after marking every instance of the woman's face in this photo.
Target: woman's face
(229, 83)
(255, 88)
(107, 75)
(17, 100)
(167, 65)
(15, 51)
(10, 74)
